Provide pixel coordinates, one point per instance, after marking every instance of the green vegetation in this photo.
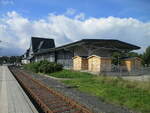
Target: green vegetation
(134, 95)
(43, 67)
(146, 56)
(70, 74)
(115, 90)
(131, 94)
(11, 59)
(116, 56)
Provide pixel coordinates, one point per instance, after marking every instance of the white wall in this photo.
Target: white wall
(25, 61)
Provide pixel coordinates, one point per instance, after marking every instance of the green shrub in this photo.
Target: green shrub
(44, 67)
(32, 66)
(58, 67)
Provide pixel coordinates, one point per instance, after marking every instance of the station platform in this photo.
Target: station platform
(12, 97)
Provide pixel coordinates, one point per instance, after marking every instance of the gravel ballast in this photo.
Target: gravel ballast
(94, 103)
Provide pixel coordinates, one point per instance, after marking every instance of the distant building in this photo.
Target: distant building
(131, 64)
(44, 49)
(37, 44)
(25, 56)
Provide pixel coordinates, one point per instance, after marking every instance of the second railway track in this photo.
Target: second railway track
(48, 99)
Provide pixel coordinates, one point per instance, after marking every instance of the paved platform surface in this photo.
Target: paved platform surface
(12, 97)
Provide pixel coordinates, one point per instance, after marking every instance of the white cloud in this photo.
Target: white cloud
(17, 30)
(70, 11)
(80, 16)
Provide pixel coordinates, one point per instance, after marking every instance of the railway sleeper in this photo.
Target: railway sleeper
(50, 100)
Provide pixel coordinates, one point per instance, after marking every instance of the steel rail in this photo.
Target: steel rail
(49, 100)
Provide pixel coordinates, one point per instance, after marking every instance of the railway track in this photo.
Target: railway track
(49, 100)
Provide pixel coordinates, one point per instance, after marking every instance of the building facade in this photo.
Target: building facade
(37, 44)
(84, 48)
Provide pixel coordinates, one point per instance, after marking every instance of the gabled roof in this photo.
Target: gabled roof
(98, 57)
(104, 43)
(84, 57)
(41, 43)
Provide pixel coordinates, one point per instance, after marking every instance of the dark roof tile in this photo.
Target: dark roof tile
(41, 43)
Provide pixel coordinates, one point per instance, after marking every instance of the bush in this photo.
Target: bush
(44, 67)
(32, 66)
(58, 67)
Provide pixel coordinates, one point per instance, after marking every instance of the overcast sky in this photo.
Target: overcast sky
(72, 20)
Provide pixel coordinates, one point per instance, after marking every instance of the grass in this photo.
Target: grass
(70, 74)
(134, 95)
(127, 95)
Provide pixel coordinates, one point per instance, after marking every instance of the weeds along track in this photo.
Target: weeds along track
(47, 99)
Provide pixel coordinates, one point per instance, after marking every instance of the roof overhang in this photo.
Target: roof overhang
(115, 45)
(109, 44)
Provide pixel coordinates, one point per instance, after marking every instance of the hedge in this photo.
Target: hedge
(44, 67)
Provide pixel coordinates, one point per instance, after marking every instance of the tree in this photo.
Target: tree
(10, 59)
(146, 56)
(133, 54)
(116, 57)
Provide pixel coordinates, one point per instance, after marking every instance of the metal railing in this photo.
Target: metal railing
(123, 71)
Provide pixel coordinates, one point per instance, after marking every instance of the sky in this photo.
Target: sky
(70, 20)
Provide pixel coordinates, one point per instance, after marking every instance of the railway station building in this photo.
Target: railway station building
(77, 55)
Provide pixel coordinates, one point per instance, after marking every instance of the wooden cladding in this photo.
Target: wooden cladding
(99, 64)
(80, 63)
(93, 63)
(131, 64)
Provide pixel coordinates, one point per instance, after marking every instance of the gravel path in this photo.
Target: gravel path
(145, 78)
(85, 99)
